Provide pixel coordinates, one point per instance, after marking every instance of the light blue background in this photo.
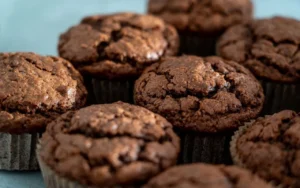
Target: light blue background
(34, 25)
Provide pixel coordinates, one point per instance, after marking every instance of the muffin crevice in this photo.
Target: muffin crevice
(189, 87)
(102, 142)
(122, 39)
(270, 148)
(36, 89)
(268, 47)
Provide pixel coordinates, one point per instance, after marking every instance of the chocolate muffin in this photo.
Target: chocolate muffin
(205, 98)
(108, 145)
(201, 22)
(269, 147)
(270, 49)
(34, 90)
(206, 176)
(111, 51)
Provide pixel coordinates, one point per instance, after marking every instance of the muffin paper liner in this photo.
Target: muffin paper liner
(106, 91)
(17, 152)
(280, 97)
(207, 148)
(89, 86)
(197, 45)
(235, 158)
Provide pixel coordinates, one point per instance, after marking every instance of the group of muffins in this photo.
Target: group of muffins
(166, 99)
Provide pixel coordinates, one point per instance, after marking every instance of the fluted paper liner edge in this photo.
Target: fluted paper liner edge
(17, 151)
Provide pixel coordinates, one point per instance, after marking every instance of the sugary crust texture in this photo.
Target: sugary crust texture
(270, 48)
(35, 90)
(270, 148)
(207, 17)
(109, 145)
(118, 45)
(206, 95)
(206, 176)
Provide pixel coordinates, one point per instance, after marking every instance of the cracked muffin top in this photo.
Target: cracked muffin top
(206, 176)
(118, 45)
(36, 89)
(202, 16)
(270, 48)
(270, 148)
(109, 145)
(202, 94)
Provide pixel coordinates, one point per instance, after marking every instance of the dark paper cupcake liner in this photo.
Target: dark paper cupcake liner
(89, 86)
(280, 97)
(197, 45)
(107, 91)
(206, 148)
(17, 152)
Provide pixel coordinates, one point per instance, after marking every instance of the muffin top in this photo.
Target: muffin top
(202, 94)
(36, 89)
(109, 145)
(270, 148)
(268, 47)
(208, 17)
(118, 45)
(206, 176)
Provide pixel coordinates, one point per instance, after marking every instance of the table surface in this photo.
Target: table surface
(34, 25)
